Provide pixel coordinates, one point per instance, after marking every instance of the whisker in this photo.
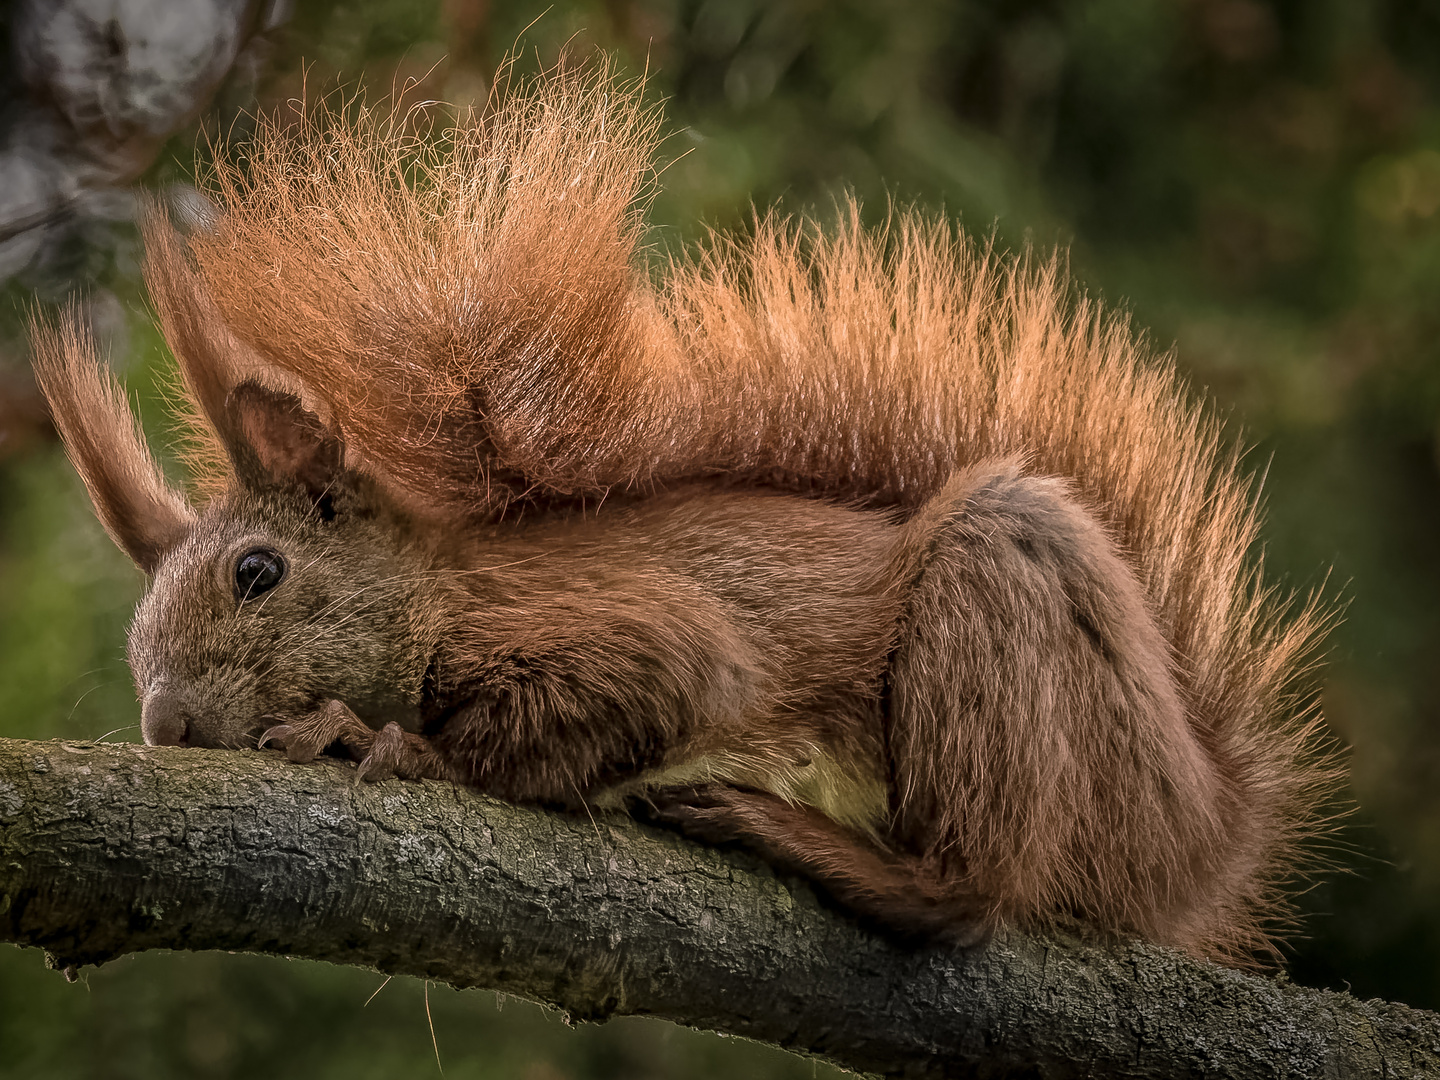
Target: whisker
(87, 693)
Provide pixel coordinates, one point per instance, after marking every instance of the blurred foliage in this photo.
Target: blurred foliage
(157, 1016)
(1258, 182)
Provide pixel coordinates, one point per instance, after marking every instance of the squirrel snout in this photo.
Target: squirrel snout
(165, 720)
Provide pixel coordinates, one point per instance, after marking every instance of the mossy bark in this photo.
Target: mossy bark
(108, 849)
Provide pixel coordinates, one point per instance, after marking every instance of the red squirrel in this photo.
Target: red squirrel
(875, 551)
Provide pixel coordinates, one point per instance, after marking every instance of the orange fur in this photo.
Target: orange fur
(474, 317)
(139, 510)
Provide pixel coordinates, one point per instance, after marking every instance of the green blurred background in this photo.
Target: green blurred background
(1259, 183)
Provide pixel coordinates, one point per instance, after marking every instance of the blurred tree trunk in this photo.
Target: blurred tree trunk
(108, 849)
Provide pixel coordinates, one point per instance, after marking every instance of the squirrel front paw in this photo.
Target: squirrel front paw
(307, 736)
(391, 751)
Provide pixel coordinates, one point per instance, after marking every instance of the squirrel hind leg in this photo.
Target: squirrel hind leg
(887, 892)
(1039, 745)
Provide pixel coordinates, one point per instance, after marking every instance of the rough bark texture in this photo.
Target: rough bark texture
(108, 849)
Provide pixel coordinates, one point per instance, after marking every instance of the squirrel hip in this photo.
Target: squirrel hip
(873, 551)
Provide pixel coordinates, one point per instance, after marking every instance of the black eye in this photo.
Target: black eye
(257, 573)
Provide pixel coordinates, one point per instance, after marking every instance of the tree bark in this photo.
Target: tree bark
(110, 848)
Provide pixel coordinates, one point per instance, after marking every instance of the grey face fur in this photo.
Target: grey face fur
(215, 669)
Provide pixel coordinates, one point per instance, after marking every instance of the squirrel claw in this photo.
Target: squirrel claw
(397, 752)
(289, 738)
(385, 754)
(280, 735)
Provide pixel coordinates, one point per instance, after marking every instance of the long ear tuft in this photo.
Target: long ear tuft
(142, 513)
(212, 362)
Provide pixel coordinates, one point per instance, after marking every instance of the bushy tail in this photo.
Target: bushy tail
(873, 364)
(473, 313)
(454, 300)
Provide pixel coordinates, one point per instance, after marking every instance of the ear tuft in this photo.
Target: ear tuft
(143, 514)
(278, 443)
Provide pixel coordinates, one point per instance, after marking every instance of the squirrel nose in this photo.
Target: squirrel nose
(164, 720)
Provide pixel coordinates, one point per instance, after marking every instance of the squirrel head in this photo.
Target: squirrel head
(301, 582)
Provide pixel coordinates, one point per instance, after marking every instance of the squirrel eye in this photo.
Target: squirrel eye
(258, 572)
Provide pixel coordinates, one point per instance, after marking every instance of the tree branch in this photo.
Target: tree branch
(107, 849)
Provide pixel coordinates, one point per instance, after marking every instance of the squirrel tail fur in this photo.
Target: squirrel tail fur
(475, 313)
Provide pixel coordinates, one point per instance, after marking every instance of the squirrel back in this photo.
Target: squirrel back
(476, 316)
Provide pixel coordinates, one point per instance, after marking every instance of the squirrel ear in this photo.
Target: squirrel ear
(209, 357)
(143, 514)
(274, 442)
